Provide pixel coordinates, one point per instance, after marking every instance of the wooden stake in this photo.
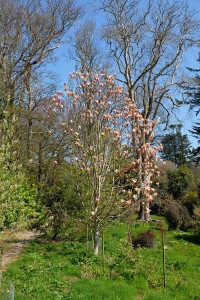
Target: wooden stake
(164, 266)
(86, 250)
(103, 253)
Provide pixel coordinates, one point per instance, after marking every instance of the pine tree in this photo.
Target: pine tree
(194, 95)
(196, 133)
(176, 146)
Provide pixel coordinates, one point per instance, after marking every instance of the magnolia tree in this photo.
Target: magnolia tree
(107, 133)
(142, 167)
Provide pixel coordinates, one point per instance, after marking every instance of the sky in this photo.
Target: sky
(189, 118)
(63, 66)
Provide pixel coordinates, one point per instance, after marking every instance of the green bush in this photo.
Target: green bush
(179, 182)
(64, 202)
(197, 218)
(191, 201)
(18, 202)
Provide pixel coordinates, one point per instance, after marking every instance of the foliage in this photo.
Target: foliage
(197, 217)
(176, 146)
(177, 195)
(193, 91)
(196, 154)
(18, 198)
(20, 204)
(191, 201)
(179, 182)
(161, 186)
(63, 198)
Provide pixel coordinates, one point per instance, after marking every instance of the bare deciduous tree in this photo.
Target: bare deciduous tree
(86, 50)
(30, 31)
(148, 44)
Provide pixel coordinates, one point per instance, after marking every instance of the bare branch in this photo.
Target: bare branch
(148, 46)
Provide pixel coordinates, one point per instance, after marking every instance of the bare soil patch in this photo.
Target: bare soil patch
(12, 243)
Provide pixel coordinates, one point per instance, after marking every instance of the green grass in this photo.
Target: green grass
(48, 270)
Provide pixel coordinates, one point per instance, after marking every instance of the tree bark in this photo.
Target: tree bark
(96, 238)
(144, 213)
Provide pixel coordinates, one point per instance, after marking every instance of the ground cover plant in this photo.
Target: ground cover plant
(60, 270)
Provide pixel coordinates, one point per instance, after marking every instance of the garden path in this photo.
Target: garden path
(12, 243)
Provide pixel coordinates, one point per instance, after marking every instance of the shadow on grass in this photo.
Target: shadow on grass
(191, 238)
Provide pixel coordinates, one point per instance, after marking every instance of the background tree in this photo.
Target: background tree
(177, 190)
(30, 32)
(179, 182)
(193, 91)
(147, 45)
(86, 50)
(196, 133)
(176, 146)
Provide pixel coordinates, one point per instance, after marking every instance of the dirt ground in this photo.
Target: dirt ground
(12, 243)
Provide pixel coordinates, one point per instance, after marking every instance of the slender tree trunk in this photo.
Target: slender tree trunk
(141, 211)
(30, 121)
(39, 171)
(144, 213)
(147, 212)
(96, 237)
(96, 199)
(29, 138)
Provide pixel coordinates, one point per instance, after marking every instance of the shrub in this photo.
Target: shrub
(191, 201)
(177, 216)
(197, 217)
(179, 182)
(146, 239)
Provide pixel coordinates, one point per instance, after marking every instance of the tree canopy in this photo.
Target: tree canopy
(176, 146)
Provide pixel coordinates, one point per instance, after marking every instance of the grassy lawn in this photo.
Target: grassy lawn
(58, 270)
